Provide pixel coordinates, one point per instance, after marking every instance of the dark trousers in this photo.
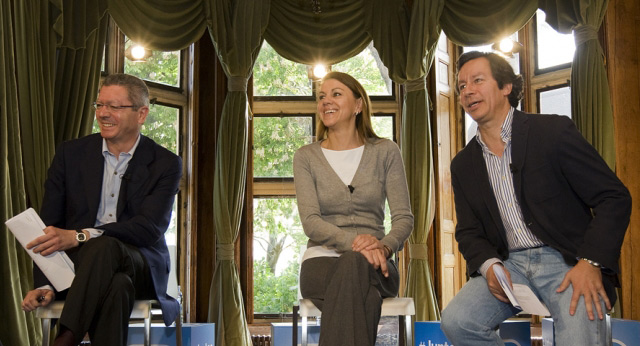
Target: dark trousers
(349, 292)
(110, 275)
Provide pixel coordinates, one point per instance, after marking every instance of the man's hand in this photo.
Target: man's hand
(54, 239)
(377, 259)
(586, 281)
(494, 285)
(36, 298)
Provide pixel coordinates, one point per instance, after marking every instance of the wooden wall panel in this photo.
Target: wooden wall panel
(622, 32)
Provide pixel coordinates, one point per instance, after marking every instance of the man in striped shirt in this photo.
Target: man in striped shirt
(534, 199)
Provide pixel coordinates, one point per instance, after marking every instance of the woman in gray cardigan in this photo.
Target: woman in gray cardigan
(342, 182)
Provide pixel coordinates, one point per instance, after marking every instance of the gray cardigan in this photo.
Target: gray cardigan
(333, 216)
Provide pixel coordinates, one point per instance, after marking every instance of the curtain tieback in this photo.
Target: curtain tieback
(225, 252)
(418, 251)
(415, 85)
(583, 33)
(237, 83)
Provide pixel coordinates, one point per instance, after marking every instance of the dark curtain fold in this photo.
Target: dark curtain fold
(76, 83)
(161, 25)
(472, 23)
(334, 35)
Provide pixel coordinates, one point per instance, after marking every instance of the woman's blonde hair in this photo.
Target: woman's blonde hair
(363, 119)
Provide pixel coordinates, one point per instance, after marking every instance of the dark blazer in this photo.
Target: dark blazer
(72, 196)
(569, 197)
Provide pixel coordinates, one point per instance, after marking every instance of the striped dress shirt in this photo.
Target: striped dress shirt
(519, 236)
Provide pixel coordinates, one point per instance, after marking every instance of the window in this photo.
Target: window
(547, 84)
(552, 49)
(555, 100)
(163, 73)
(284, 119)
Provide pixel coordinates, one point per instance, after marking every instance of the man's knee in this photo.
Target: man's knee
(449, 322)
(122, 284)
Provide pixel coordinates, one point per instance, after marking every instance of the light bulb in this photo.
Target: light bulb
(506, 45)
(138, 52)
(319, 70)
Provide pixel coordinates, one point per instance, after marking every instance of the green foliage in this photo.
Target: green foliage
(367, 68)
(275, 141)
(277, 227)
(274, 75)
(271, 293)
(160, 67)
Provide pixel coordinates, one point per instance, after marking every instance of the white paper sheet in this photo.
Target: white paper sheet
(57, 267)
(522, 297)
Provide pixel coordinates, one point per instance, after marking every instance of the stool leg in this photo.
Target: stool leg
(304, 331)
(147, 330)
(178, 331)
(46, 331)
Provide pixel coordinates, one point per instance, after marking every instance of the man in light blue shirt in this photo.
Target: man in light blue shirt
(107, 203)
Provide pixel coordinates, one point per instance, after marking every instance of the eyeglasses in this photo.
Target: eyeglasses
(102, 106)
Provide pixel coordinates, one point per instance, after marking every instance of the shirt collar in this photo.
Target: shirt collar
(105, 149)
(505, 132)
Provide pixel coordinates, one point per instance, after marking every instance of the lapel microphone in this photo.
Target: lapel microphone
(351, 188)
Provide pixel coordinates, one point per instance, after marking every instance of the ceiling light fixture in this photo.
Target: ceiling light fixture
(137, 53)
(507, 47)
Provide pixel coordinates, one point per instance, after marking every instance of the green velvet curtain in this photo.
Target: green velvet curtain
(236, 28)
(591, 108)
(17, 327)
(77, 72)
(417, 152)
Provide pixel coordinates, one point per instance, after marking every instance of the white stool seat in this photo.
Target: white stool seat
(404, 308)
(142, 309)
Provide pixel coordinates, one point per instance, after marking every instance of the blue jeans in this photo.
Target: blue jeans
(473, 315)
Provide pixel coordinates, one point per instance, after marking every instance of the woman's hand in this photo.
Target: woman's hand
(377, 259)
(373, 250)
(366, 242)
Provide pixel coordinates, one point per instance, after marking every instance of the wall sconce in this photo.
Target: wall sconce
(507, 47)
(317, 71)
(137, 53)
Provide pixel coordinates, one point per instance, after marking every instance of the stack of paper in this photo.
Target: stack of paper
(522, 297)
(57, 267)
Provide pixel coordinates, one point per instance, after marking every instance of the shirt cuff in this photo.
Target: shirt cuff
(487, 264)
(94, 232)
(46, 287)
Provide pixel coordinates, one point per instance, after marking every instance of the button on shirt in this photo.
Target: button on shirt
(499, 169)
(114, 172)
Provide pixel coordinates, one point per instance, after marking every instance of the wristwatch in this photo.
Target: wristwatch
(81, 237)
